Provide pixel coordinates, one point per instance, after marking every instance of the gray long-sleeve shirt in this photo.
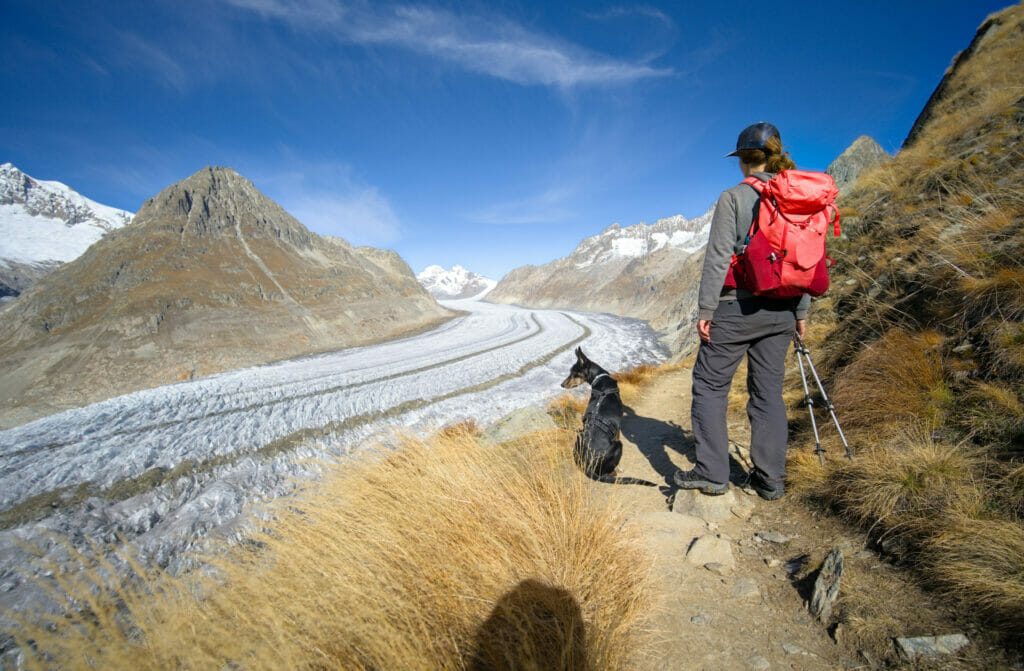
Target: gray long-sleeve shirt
(730, 224)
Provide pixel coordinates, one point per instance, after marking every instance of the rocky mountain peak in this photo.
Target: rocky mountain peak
(44, 224)
(859, 157)
(217, 200)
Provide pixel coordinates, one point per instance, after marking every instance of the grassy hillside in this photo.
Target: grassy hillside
(922, 335)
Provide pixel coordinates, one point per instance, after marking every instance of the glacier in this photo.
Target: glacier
(166, 469)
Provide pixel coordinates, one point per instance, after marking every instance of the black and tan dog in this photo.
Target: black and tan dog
(598, 448)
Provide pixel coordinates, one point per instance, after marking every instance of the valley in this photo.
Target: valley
(167, 467)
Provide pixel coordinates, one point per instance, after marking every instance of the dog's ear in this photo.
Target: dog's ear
(580, 356)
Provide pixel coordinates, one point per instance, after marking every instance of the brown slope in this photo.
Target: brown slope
(922, 339)
(659, 287)
(211, 275)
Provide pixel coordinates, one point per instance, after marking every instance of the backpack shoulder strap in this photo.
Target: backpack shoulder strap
(758, 186)
(754, 183)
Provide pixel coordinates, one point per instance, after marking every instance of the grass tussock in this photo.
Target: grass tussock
(980, 562)
(432, 555)
(899, 379)
(935, 502)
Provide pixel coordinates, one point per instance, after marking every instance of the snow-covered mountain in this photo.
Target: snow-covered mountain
(455, 283)
(646, 271)
(615, 244)
(44, 224)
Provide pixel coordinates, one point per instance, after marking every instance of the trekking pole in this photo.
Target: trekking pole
(808, 401)
(798, 343)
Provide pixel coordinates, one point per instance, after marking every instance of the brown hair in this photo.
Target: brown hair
(772, 156)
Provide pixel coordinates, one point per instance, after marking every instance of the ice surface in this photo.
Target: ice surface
(226, 422)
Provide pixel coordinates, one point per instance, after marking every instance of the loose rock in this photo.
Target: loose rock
(826, 586)
(773, 537)
(746, 588)
(709, 508)
(931, 645)
(717, 568)
(791, 649)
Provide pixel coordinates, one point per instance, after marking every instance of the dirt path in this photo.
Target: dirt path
(732, 598)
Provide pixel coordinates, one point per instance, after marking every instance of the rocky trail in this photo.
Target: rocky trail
(736, 572)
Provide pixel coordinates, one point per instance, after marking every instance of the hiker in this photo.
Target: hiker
(733, 322)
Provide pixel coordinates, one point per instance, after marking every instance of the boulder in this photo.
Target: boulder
(516, 424)
(710, 508)
(710, 549)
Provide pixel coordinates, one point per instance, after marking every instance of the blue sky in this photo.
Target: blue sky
(489, 134)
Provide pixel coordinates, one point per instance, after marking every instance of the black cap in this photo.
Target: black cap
(755, 137)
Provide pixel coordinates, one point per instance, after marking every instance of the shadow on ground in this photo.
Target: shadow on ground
(656, 439)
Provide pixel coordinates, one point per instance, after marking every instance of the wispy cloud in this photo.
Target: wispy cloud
(550, 206)
(328, 200)
(361, 216)
(489, 45)
(643, 11)
(145, 53)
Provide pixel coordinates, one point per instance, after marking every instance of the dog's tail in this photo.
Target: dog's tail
(622, 480)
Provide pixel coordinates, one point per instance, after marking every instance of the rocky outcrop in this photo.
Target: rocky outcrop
(211, 275)
(647, 272)
(859, 157)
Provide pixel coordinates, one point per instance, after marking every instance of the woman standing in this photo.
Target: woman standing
(733, 322)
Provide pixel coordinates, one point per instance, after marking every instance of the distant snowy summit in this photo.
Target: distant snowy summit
(44, 224)
(455, 283)
(617, 244)
(646, 271)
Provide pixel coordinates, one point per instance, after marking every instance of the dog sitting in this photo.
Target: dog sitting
(598, 448)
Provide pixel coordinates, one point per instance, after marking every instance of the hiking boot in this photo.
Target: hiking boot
(690, 480)
(764, 490)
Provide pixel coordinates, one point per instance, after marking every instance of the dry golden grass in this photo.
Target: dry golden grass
(632, 382)
(637, 376)
(434, 555)
(567, 410)
(895, 483)
(895, 381)
(936, 500)
(981, 562)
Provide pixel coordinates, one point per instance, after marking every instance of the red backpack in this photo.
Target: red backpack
(785, 253)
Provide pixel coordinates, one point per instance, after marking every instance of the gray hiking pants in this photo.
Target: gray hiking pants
(762, 329)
